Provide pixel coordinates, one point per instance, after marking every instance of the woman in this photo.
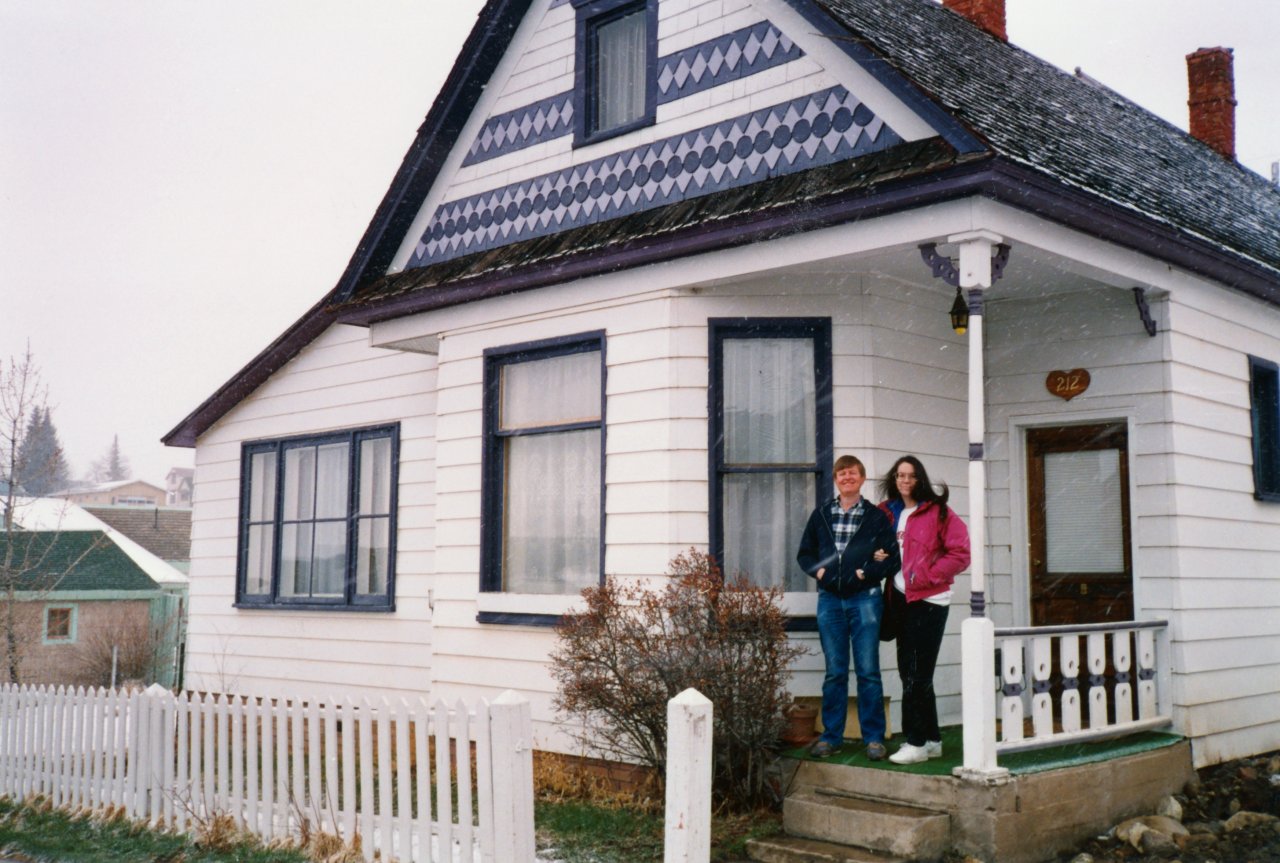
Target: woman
(935, 548)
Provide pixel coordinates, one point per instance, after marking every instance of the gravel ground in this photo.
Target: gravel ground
(1247, 785)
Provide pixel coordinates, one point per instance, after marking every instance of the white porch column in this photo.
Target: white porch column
(977, 633)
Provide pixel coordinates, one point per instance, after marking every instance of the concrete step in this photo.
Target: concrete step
(795, 849)
(832, 816)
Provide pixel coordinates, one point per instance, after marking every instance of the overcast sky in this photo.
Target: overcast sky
(181, 180)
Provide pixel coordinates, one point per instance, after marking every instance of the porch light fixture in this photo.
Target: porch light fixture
(959, 313)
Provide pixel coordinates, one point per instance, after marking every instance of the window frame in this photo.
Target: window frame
(72, 615)
(493, 466)
(718, 330)
(350, 600)
(1264, 420)
(591, 15)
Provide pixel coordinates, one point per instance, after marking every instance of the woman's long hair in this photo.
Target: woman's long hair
(924, 491)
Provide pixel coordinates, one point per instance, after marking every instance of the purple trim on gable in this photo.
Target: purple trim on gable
(952, 130)
(316, 320)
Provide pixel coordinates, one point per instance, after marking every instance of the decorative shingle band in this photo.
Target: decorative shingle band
(523, 127)
(717, 61)
(819, 129)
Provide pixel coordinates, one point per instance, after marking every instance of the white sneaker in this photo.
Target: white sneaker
(908, 754)
(933, 748)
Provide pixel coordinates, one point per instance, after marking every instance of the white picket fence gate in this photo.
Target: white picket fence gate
(398, 775)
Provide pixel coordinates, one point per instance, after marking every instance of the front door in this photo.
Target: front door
(1078, 493)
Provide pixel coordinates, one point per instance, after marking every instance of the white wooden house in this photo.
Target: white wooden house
(651, 264)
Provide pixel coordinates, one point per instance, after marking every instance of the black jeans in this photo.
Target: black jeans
(918, 647)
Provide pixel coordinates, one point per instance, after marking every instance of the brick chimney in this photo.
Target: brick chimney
(987, 14)
(1212, 90)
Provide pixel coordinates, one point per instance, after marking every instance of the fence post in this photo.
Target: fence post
(688, 817)
(511, 733)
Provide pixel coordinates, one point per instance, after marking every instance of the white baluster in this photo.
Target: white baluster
(1041, 699)
(1147, 706)
(1096, 646)
(1121, 658)
(1069, 665)
(1013, 682)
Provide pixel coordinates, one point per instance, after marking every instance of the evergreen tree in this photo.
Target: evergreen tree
(43, 466)
(113, 466)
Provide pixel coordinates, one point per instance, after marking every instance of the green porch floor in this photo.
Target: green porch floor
(1053, 758)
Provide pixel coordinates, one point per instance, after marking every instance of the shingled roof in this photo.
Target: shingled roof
(1029, 135)
(73, 560)
(166, 532)
(1084, 135)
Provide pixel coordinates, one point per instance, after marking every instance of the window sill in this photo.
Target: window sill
(314, 606)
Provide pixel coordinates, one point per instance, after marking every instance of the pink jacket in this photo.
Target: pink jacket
(932, 554)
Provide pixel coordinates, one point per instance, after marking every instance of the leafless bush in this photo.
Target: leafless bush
(634, 648)
(141, 646)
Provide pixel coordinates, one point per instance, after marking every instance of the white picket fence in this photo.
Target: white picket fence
(353, 768)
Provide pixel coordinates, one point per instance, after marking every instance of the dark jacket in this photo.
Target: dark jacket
(818, 550)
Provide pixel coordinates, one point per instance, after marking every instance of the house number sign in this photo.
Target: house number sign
(1067, 385)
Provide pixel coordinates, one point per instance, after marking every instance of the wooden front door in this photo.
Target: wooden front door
(1078, 493)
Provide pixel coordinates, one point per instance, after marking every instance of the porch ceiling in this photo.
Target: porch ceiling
(1030, 274)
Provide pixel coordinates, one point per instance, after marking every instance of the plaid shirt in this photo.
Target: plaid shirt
(844, 524)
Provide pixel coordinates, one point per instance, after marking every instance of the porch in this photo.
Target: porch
(846, 808)
(1075, 739)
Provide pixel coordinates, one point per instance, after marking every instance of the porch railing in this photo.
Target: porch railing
(1066, 684)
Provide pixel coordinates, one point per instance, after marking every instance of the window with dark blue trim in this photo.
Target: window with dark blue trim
(770, 442)
(1264, 397)
(615, 68)
(543, 496)
(317, 520)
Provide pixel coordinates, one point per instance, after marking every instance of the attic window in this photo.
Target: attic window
(614, 87)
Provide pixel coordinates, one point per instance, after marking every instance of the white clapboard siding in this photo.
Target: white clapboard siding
(336, 382)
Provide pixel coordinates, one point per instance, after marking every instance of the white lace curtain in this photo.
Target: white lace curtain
(620, 72)
(770, 420)
(552, 488)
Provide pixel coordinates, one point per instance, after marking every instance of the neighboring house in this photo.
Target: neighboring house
(125, 492)
(165, 532)
(178, 484)
(85, 587)
(650, 265)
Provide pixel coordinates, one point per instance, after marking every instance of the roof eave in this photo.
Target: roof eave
(996, 179)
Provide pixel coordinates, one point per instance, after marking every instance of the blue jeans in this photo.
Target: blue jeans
(844, 625)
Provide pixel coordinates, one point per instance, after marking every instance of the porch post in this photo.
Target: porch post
(977, 632)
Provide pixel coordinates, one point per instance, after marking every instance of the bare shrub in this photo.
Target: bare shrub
(634, 648)
(141, 646)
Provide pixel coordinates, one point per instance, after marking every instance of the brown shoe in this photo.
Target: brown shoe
(821, 749)
(876, 751)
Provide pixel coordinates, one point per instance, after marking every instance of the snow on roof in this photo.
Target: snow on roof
(51, 514)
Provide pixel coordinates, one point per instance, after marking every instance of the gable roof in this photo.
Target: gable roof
(1047, 141)
(166, 533)
(73, 560)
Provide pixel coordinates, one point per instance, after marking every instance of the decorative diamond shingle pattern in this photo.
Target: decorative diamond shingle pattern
(732, 56)
(523, 127)
(717, 61)
(813, 130)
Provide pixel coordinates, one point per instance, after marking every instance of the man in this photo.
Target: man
(838, 549)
